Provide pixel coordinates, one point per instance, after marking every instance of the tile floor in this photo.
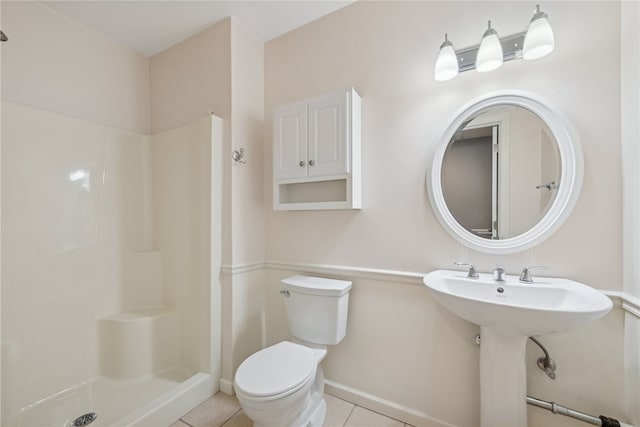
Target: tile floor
(222, 410)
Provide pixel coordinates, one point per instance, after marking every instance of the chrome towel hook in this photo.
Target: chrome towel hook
(238, 156)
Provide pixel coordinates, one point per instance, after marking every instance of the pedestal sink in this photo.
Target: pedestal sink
(508, 312)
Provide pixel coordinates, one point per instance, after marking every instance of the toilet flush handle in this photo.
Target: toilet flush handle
(285, 293)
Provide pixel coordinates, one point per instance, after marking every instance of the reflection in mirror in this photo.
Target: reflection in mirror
(501, 172)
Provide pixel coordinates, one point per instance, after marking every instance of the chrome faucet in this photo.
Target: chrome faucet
(473, 273)
(525, 276)
(499, 274)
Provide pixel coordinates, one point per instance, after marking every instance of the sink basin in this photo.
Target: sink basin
(508, 312)
(548, 305)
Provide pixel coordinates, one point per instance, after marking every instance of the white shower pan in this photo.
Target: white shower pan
(141, 381)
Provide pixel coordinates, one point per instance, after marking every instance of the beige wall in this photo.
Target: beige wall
(386, 50)
(192, 79)
(247, 116)
(245, 293)
(402, 347)
(219, 70)
(57, 65)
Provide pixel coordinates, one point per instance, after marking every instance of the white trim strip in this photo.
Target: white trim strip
(631, 309)
(404, 277)
(241, 268)
(627, 302)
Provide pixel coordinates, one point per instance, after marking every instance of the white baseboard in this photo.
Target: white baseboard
(369, 401)
(382, 406)
(226, 387)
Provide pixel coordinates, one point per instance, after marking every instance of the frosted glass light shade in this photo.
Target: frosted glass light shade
(539, 40)
(490, 54)
(446, 66)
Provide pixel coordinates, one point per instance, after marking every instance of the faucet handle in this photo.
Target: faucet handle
(525, 276)
(473, 273)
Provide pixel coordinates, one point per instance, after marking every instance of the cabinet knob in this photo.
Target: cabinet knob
(311, 162)
(301, 163)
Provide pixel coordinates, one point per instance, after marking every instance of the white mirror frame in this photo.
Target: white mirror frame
(571, 161)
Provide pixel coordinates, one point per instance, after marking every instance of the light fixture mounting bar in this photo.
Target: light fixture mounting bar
(511, 48)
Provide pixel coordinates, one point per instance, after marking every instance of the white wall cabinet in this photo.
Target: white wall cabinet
(316, 153)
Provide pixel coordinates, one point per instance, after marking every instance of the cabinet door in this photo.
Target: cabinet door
(328, 151)
(290, 141)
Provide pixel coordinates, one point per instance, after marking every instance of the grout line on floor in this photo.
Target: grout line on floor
(385, 415)
(229, 419)
(344, 424)
(376, 412)
(350, 412)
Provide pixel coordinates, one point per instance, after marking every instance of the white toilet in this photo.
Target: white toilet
(283, 385)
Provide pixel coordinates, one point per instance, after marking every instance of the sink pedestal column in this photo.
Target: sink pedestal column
(503, 379)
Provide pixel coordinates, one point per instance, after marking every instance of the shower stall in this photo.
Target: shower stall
(110, 262)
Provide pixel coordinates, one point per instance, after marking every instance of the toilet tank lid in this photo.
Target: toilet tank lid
(316, 285)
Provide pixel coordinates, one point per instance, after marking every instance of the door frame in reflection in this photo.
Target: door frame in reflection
(495, 128)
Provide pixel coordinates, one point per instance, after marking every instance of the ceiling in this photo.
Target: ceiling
(151, 26)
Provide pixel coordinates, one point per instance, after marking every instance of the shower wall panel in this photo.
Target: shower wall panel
(181, 183)
(73, 208)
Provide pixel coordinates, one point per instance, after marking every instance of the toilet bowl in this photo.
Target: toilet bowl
(283, 385)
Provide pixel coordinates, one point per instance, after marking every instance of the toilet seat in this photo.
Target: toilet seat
(276, 371)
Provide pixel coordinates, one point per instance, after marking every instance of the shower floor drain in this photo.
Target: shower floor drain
(84, 420)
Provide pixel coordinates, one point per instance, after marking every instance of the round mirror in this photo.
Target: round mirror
(507, 173)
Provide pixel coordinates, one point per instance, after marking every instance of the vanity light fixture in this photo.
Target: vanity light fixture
(447, 63)
(490, 55)
(535, 43)
(539, 40)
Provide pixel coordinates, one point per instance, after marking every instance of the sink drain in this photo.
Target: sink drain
(84, 420)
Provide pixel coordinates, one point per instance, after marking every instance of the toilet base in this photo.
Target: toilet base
(318, 416)
(315, 411)
(315, 419)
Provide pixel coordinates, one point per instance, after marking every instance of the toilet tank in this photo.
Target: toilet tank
(317, 308)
